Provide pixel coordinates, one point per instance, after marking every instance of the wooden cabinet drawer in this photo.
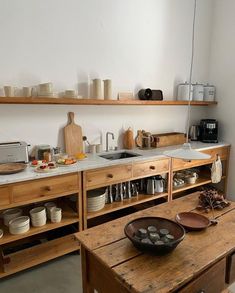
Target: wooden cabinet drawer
(178, 164)
(145, 169)
(48, 187)
(5, 197)
(107, 176)
(211, 281)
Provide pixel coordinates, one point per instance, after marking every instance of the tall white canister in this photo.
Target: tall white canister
(198, 92)
(97, 89)
(108, 89)
(183, 92)
(209, 93)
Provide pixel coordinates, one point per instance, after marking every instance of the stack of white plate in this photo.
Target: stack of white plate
(95, 200)
(11, 214)
(19, 225)
(38, 216)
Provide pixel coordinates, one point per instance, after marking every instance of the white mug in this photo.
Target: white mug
(27, 91)
(191, 179)
(45, 88)
(9, 91)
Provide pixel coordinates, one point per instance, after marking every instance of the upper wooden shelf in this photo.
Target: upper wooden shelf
(70, 101)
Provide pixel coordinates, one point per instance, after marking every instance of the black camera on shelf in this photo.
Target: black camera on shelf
(148, 94)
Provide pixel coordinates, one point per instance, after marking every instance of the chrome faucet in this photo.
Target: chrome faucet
(107, 139)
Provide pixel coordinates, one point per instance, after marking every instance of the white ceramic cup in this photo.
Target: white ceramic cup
(49, 206)
(191, 179)
(45, 88)
(99, 148)
(56, 215)
(26, 91)
(9, 91)
(92, 148)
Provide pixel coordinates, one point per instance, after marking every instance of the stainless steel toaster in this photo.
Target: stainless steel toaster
(14, 152)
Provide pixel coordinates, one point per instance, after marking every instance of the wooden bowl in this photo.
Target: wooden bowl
(174, 229)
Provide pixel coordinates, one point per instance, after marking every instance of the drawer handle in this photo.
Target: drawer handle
(110, 175)
(152, 167)
(48, 188)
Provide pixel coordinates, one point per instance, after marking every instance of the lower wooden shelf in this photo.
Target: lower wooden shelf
(200, 181)
(69, 217)
(115, 206)
(38, 254)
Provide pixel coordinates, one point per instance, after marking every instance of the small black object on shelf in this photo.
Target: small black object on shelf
(148, 94)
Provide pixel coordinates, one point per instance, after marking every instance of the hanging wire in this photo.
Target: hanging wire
(191, 70)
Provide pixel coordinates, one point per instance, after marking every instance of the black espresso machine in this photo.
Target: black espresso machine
(209, 130)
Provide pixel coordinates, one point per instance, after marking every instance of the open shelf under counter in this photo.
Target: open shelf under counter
(88, 101)
(68, 217)
(200, 181)
(38, 254)
(135, 200)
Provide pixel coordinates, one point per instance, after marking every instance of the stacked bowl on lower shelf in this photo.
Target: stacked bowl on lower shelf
(19, 225)
(38, 216)
(95, 200)
(11, 214)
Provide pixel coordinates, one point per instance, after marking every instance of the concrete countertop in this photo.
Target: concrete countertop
(94, 162)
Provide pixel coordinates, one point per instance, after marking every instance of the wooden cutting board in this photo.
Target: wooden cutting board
(73, 137)
(11, 168)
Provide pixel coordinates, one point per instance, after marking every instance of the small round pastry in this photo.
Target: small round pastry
(154, 237)
(152, 229)
(163, 232)
(142, 233)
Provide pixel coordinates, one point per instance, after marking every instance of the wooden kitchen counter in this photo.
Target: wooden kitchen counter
(110, 263)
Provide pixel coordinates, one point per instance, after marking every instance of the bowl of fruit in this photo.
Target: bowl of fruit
(66, 162)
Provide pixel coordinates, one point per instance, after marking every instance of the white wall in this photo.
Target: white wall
(136, 43)
(222, 74)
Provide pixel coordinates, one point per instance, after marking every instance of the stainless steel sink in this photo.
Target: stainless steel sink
(119, 155)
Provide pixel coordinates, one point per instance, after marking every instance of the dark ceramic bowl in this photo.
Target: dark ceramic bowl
(174, 229)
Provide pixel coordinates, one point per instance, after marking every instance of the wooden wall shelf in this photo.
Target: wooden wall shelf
(71, 101)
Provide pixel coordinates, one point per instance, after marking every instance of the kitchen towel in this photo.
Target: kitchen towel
(216, 171)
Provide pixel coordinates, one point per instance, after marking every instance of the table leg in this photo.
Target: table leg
(85, 280)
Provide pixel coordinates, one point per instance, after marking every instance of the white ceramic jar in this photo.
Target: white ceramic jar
(209, 93)
(183, 92)
(198, 92)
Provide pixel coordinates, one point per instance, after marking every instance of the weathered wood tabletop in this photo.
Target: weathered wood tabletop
(133, 271)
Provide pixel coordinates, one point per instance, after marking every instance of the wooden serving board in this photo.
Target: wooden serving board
(73, 137)
(11, 168)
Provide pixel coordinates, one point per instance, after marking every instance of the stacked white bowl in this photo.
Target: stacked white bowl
(19, 225)
(49, 205)
(11, 214)
(56, 214)
(38, 216)
(95, 200)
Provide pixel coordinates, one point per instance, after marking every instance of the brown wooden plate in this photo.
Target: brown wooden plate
(192, 221)
(11, 168)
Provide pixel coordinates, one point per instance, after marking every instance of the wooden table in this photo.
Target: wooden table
(110, 263)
